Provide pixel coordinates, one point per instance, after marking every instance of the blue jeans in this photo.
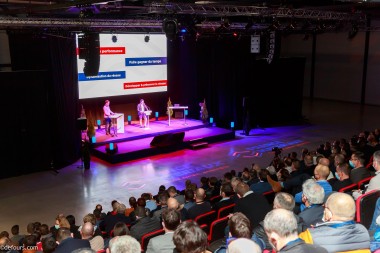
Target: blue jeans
(376, 214)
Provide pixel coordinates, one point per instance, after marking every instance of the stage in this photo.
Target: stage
(156, 139)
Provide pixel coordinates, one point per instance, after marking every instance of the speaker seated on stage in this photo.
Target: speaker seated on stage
(142, 108)
(107, 113)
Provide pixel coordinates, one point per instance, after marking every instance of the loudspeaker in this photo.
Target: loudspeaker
(167, 140)
(169, 26)
(89, 49)
(81, 123)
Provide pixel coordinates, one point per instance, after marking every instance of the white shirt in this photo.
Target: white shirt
(107, 111)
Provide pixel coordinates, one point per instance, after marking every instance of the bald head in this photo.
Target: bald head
(324, 161)
(321, 172)
(173, 203)
(340, 207)
(200, 194)
(243, 245)
(87, 230)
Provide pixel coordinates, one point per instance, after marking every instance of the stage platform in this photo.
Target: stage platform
(135, 142)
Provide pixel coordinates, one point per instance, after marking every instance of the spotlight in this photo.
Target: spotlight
(114, 38)
(146, 38)
(169, 26)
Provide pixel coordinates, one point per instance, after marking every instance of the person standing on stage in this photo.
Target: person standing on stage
(107, 113)
(141, 110)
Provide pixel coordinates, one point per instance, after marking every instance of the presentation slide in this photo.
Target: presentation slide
(128, 65)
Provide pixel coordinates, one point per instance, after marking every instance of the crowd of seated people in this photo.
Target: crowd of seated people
(308, 213)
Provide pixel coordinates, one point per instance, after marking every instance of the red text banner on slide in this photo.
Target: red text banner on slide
(109, 50)
(146, 84)
(112, 50)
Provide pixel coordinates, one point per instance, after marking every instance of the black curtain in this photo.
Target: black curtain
(64, 101)
(43, 93)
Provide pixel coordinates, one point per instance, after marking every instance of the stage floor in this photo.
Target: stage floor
(158, 138)
(41, 196)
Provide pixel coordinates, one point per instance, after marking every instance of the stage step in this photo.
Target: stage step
(199, 145)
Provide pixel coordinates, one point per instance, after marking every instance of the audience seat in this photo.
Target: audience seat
(101, 251)
(226, 210)
(206, 218)
(217, 228)
(269, 195)
(205, 228)
(146, 237)
(215, 199)
(349, 188)
(363, 182)
(365, 206)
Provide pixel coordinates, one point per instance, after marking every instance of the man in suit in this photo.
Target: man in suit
(359, 171)
(342, 175)
(144, 223)
(67, 243)
(254, 206)
(226, 192)
(171, 218)
(312, 197)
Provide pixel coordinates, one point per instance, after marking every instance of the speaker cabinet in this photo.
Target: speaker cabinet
(167, 140)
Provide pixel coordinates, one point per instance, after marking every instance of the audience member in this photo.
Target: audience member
(339, 232)
(132, 205)
(243, 245)
(118, 214)
(49, 244)
(44, 230)
(173, 204)
(87, 233)
(124, 244)
(29, 244)
(263, 185)
(189, 199)
(67, 244)
(144, 224)
(312, 197)
(162, 205)
(201, 206)
(285, 201)
(374, 183)
(281, 228)
(172, 191)
(214, 188)
(150, 202)
(16, 237)
(73, 228)
(171, 218)
(254, 206)
(342, 176)
(226, 192)
(189, 237)
(359, 171)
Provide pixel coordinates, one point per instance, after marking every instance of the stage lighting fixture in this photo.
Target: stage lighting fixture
(169, 26)
(156, 115)
(129, 119)
(114, 38)
(146, 38)
(98, 122)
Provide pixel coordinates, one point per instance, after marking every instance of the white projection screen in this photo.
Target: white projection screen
(129, 64)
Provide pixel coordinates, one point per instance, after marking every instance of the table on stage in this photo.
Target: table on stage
(119, 118)
(177, 108)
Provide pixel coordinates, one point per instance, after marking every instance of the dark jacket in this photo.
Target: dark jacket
(300, 246)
